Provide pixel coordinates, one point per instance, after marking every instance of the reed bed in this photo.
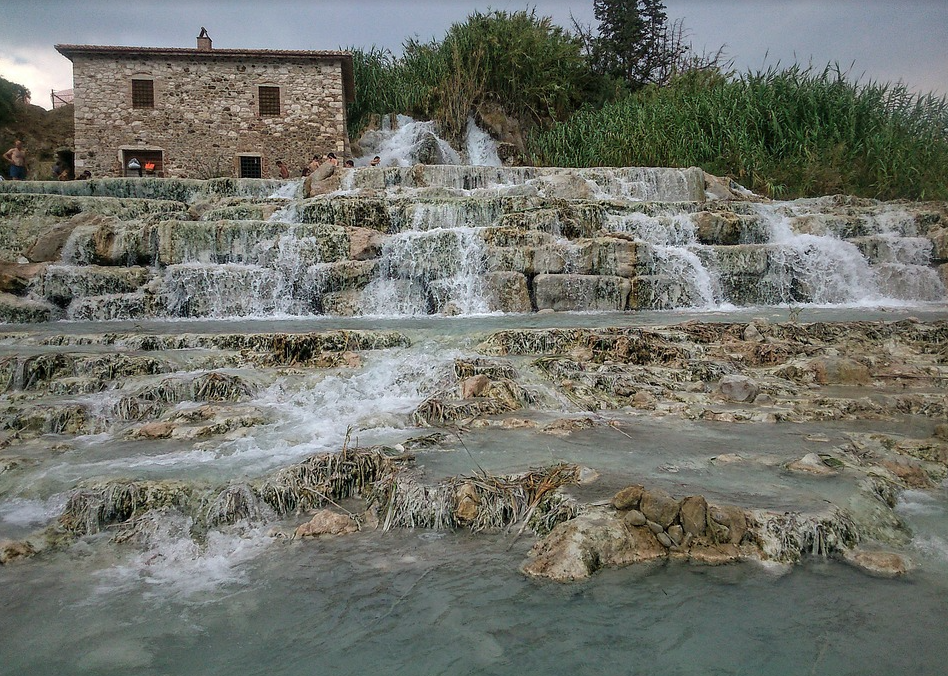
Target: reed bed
(402, 501)
(787, 133)
(323, 478)
(212, 386)
(437, 411)
(90, 509)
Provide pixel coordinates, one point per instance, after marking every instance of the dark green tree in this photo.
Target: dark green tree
(11, 93)
(632, 41)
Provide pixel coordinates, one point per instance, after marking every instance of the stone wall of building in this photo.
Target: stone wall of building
(206, 112)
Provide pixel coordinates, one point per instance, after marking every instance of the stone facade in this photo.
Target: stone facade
(206, 111)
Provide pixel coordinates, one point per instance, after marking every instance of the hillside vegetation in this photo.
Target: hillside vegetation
(785, 132)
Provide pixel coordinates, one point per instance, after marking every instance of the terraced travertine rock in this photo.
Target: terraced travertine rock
(797, 372)
(126, 383)
(454, 240)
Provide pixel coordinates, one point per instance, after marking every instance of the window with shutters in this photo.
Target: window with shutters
(269, 100)
(143, 93)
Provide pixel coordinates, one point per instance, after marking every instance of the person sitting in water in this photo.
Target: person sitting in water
(314, 163)
(326, 169)
(284, 172)
(349, 164)
(375, 161)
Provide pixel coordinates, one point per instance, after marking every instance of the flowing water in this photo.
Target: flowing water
(433, 602)
(240, 600)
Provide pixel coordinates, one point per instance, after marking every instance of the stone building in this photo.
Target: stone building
(204, 112)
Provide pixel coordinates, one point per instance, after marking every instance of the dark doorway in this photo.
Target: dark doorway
(151, 162)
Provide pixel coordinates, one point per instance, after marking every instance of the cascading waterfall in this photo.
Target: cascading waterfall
(673, 244)
(480, 147)
(436, 270)
(885, 263)
(817, 269)
(462, 238)
(275, 276)
(401, 143)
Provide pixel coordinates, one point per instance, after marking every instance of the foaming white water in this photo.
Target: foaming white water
(481, 148)
(170, 563)
(31, 512)
(674, 243)
(827, 269)
(437, 270)
(287, 214)
(289, 190)
(889, 264)
(374, 402)
(231, 289)
(276, 277)
(401, 144)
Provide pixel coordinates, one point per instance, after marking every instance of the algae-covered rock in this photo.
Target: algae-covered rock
(508, 292)
(581, 292)
(15, 310)
(13, 550)
(62, 283)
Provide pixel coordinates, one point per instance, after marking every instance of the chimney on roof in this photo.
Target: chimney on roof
(204, 41)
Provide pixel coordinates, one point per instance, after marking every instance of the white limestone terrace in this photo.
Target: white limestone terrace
(453, 239)
(658, 184)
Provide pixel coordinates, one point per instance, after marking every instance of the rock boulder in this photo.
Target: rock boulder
(326, 522)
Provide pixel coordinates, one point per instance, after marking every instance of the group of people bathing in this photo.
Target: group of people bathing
(321, 167)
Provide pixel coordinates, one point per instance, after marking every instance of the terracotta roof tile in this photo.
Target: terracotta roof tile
(67, 50)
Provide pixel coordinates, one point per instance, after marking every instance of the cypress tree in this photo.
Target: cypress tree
(630, 45)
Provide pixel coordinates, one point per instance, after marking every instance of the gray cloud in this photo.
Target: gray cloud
(884, 41)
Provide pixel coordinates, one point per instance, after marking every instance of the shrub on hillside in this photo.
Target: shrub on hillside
(533, 67)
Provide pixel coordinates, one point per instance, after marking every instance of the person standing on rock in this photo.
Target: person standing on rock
(16, 156)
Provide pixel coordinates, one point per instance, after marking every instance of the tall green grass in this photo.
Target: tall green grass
(788, 133)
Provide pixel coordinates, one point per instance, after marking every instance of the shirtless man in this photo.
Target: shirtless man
(16, 156)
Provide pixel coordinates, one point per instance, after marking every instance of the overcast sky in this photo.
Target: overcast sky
(882, 40)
